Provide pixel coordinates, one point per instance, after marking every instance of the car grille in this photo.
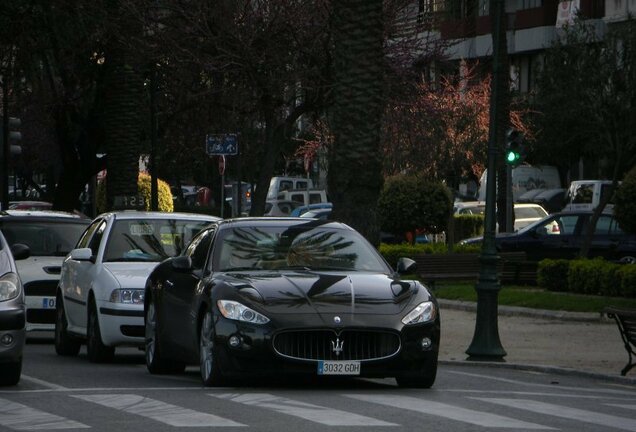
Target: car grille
(324, 344)
(40, 316)
(41, 288)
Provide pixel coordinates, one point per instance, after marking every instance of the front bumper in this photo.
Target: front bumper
(256, 354)
(12, 334)
(121, 324)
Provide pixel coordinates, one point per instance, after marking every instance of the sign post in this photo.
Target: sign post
(222, 145)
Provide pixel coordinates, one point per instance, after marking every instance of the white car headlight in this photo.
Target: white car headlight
(127, 296)
(237, 311)
(9, 286)
(424, 312)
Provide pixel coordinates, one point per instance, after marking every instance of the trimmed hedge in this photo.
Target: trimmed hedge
(392, 252)
(553, 274)
(467, 226)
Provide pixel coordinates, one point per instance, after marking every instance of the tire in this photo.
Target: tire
(95, 348)
(424, 378)
(65, 344)
(10, 373)
(155, 363)
(210, 371)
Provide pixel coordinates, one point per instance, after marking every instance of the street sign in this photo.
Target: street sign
(221, 144)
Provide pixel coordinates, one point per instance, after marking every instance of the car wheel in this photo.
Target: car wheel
(65, 344)
(155, 362)
(424, 378)
(95, 348)
(10, 373)
(208, 362)
(627, 260)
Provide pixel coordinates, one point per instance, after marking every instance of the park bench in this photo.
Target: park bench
(512, 267)
(626, 322)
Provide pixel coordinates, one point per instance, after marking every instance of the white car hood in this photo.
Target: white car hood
(39, 268)
(130, 275)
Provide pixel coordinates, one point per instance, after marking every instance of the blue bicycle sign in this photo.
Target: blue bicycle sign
(221, 144)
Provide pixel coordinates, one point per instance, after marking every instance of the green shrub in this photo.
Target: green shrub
(467, 226)
(407, 203)
(143, 186)
(590, 276)
(553, 274)
(626, 276)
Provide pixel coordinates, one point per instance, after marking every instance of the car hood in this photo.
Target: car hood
(130, 274)
(39, 268)
(326, 292)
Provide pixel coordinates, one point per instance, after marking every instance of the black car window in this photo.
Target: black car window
(85, 238)
(97, 238)
(198, 249)
(44, 237)
(607, 225)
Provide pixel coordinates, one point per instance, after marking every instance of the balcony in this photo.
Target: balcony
(458, 28)
(537, 17)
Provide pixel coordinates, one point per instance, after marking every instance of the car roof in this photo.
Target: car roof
(41, 215)
(282, 221)
(136, 214)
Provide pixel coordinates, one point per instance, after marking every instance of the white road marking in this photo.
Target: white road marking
(21, 417)
(566, 412)
(42, 383)
(631, 407)
(157, 410)
(314, 413)
(452, 412)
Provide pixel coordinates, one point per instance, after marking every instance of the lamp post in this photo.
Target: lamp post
(486, 344)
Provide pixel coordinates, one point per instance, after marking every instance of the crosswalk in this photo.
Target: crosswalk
(367, 409)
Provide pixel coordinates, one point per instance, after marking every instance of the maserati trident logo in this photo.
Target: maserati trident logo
(336, 346)
(337, 319)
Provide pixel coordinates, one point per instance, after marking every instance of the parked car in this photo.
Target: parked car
(49, 236)
(260, 296)
(12, 313)
(561, 235)
(299, 211)
(30, 205)
(525, 213)
(101, 290)
(280, 207)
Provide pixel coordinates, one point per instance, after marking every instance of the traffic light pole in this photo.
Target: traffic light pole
(6, 146)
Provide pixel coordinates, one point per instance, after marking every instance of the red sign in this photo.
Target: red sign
(222, 164)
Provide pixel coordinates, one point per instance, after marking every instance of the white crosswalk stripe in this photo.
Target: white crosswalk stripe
(21, 417)
(566, 412)
(453, 412)
(314, 413)
(631, 407)
(157, 410)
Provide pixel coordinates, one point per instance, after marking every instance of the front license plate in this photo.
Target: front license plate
(48, 303)
(338, 368)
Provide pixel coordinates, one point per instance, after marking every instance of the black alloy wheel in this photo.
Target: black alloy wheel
(155, 362)
(208, 362)
(65, 344)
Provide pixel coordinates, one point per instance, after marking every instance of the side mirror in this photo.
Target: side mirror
(406, 266)
(182, 263)
(82, 254)
(20, 251)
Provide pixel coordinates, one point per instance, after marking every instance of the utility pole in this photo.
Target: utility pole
(486, 344)
(6, 146)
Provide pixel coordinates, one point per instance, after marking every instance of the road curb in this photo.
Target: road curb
(529, 312)
(542, 368)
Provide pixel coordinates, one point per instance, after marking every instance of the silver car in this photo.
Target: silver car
(12, 313)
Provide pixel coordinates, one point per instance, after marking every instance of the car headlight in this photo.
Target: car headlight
(9, 286)
(127, 296)
(424, 312)
(237, 311)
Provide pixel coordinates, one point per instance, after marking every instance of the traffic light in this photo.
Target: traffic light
(15, 136)
(515, 153)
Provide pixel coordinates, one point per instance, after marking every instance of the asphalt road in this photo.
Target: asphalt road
(58, 393)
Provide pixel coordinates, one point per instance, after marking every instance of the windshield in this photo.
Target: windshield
(529, 212)
(44, 238)
(150, 239)
(308, 247)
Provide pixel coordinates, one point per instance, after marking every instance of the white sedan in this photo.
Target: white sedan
(100, 299)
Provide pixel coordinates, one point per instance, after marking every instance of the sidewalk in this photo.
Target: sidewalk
(569, 341)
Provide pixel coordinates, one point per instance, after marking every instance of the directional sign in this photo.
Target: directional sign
(221, 144)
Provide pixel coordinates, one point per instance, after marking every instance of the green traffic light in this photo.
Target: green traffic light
(512, 157)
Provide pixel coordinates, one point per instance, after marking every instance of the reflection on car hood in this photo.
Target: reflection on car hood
(325, 292)
(131, 275)
(39, 268)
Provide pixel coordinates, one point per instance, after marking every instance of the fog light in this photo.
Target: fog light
(6, 339)
(234, 341)
(426, 343)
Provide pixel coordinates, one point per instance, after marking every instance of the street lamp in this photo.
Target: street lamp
(486, 344)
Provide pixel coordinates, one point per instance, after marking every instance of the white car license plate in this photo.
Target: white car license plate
(48, 303)
(338, 368)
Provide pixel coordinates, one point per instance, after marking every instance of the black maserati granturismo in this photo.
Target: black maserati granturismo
(261, 296)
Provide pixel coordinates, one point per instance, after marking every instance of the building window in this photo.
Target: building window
(484, 8)
(530, 4)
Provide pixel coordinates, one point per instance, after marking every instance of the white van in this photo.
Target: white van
(304, 196)
(587, 194)
(525, 178)
(280, 184)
